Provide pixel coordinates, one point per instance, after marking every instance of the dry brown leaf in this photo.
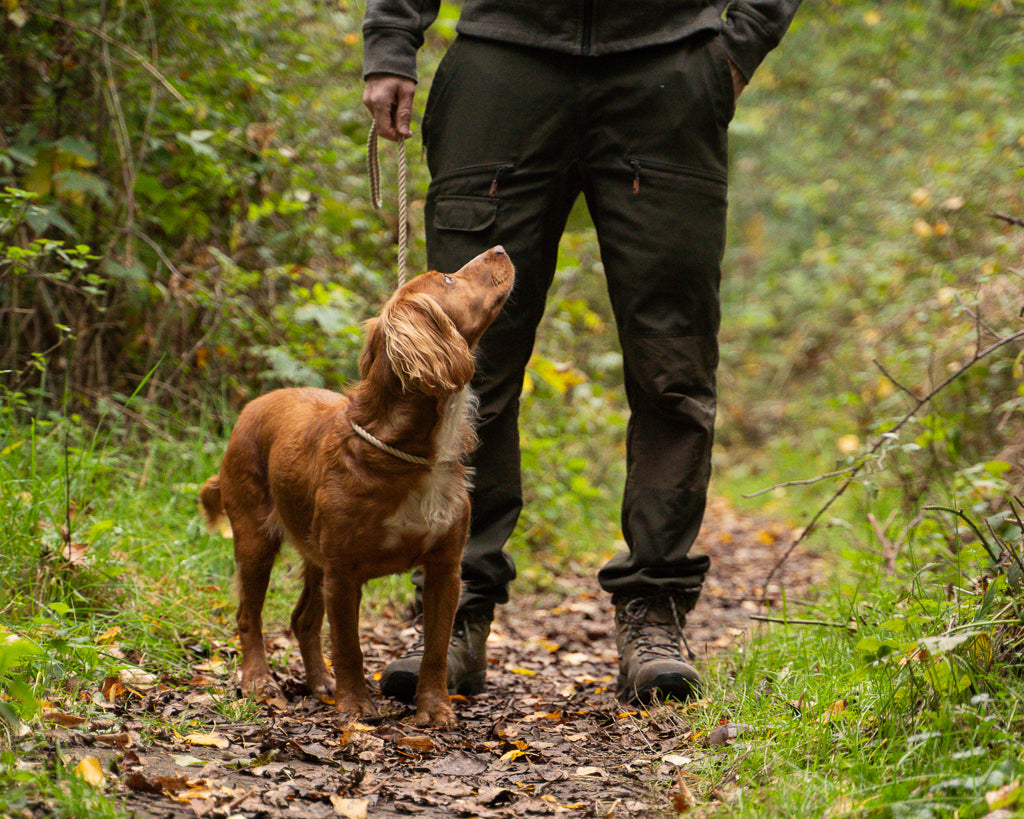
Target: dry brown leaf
(350, 808)
(683, 799)
(74, 553)
(112, 689)
(62, 719)
(417, 742)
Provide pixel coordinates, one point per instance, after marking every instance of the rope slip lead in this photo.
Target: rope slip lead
(373, 160)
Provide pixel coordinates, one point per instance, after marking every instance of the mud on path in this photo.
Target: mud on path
(546, 738)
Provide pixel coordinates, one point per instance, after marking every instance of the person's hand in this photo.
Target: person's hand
(739, 82)
(389, 98)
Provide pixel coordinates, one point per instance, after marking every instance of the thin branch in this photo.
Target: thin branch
(1013, 220)
(886, 373)
(998, 345)
(805, 482)
(95, 32)
(762, 619)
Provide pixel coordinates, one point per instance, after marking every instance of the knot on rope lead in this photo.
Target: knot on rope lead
(373, 161)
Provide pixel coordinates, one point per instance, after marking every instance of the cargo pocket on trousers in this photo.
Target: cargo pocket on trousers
(468, 214)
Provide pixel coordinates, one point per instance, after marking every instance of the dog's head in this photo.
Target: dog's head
(427, 331)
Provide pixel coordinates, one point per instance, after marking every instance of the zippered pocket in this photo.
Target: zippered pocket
(490, 171)
(638, 165)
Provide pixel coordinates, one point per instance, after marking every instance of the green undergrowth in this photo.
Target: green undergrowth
(897, 694)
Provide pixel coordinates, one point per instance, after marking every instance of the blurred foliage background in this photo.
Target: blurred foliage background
(186, 223)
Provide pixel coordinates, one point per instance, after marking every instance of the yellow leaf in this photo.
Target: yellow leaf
(525, 672)
(91, 771)
(872, 18)
(208, 740)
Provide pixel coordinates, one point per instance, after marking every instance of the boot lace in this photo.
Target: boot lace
(458, 636)
(652, 635)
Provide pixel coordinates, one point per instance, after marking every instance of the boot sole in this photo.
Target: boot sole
(663, 687)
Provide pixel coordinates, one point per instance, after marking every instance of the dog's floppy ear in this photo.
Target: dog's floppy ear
(372, 347)
(424, 347)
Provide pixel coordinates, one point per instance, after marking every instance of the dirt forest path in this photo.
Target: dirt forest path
(546, 738)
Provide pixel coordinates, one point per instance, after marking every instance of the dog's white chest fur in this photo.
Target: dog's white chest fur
(431, 507)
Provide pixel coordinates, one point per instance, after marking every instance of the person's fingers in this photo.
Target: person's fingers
(389, 99)
(403, 109)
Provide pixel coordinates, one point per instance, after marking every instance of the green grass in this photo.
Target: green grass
(902, 707)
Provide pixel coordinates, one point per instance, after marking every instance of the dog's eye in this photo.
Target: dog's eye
(447, 279)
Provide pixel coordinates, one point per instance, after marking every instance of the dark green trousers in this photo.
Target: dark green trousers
(513, 136)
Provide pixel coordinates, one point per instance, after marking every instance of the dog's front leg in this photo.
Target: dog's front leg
(441, 580)
(342, 593)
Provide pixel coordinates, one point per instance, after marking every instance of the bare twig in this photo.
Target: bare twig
(886, 373)
(1013, 220)
(806, 482)
(95, 32)
(783, 621)
(920, 402)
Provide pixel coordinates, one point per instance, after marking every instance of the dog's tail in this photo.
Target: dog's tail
(211, 504)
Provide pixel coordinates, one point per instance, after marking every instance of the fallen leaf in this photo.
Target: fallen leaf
(724, 734)
(1006, 796)
(112, 689)
(683, 799)
(526, 672)
(62, 719)
(91, 771)
(677, 760)
(350, 808)
(121, 740)
(418, 742)
(74, 553)
(187, 760)
(108, 636)
(208, 740)
(589, 770)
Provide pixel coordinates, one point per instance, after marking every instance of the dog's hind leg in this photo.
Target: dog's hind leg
(256, 546)
(307, 620)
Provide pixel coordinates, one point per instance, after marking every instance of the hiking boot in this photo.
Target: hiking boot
(652, 662)
(467, 662)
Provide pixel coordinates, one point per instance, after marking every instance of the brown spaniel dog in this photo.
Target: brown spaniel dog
(365, 484)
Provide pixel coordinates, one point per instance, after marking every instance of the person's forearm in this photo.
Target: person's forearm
(392, 33)
(755, 27)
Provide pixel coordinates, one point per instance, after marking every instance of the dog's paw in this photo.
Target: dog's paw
(352, 707)
(261, 687)
(322, 688)
(435, 714)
